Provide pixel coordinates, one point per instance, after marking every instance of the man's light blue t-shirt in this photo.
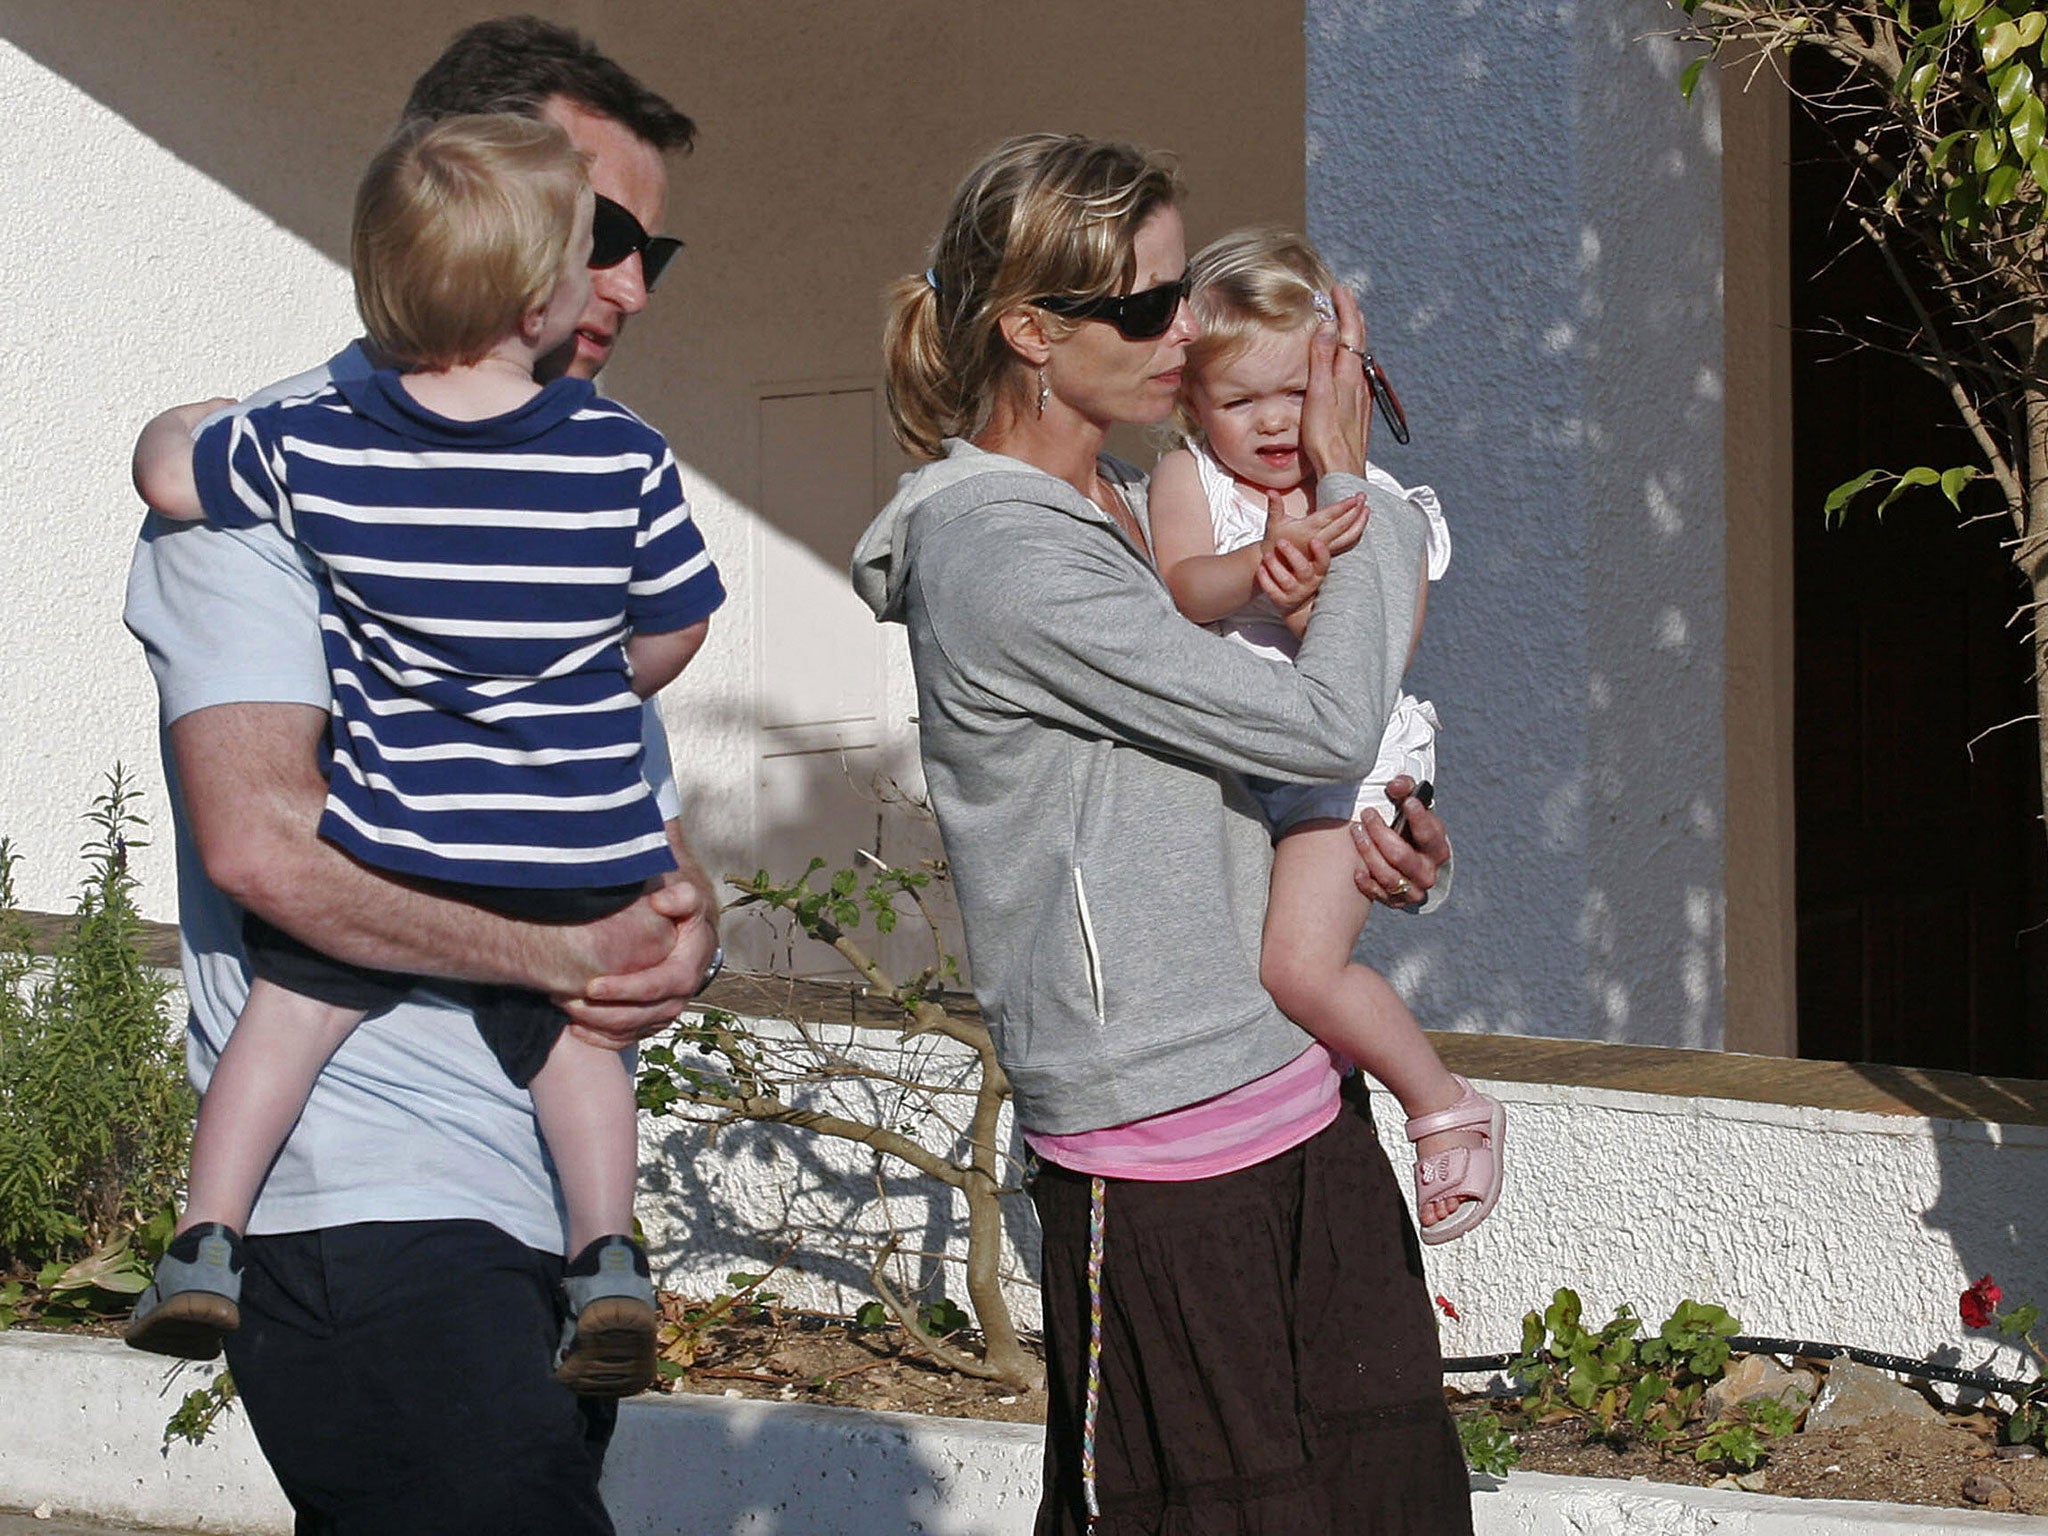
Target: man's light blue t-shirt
(413, 1119)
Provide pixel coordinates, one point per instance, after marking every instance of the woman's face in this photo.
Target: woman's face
(1107, 378)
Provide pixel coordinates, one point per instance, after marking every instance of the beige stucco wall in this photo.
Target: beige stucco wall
(177, 193)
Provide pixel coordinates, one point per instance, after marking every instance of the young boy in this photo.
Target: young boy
(509, 568)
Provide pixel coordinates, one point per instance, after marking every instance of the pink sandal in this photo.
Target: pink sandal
(1469, 1174)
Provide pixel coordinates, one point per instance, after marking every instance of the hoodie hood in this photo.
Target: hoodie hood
(930, 496)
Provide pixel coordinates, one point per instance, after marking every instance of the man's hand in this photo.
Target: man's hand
(631, 1001)
(1396, 869)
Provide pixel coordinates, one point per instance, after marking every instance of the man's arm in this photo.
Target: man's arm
(253, 796)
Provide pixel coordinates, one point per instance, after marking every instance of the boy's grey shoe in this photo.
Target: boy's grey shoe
(608, 1341)
(194, 1298)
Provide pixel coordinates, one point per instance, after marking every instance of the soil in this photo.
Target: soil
(1890, 1460)
(807, 1357)
(791, 1356)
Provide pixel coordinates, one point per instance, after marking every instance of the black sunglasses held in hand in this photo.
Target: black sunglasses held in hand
(615, 234)
(1389, 403)
(1136, 316)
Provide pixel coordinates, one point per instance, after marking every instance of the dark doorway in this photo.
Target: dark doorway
(1919, 855)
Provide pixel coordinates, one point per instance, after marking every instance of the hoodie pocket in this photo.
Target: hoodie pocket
(1090, 953)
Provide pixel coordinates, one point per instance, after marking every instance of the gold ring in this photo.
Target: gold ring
(1399, 889)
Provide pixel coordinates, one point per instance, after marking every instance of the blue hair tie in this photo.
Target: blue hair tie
(931, 279)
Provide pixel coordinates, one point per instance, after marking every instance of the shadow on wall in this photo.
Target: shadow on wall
(1992, 1232)
(1532, 218)
(739, 1201)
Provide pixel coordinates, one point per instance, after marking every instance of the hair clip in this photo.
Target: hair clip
(931, 279)
(1324, 309)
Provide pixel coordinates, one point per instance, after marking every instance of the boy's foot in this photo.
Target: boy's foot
(195, 1297)
(608, 1341)
(1458, 1163)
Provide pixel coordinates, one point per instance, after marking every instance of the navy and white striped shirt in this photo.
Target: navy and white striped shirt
(480, 581)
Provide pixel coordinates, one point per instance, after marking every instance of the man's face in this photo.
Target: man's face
(630, 172)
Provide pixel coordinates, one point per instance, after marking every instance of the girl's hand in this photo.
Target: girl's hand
(1290, 574)
(1339, 525)
(1336, 418)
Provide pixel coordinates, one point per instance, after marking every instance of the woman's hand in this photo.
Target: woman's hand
(1336, 418)
(1396, 869)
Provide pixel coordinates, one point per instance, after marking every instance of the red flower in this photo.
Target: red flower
(1448, 1310)
(1980, 1303)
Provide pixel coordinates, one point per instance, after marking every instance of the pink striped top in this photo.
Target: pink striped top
(1263, 1118)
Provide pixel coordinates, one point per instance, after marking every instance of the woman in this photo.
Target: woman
(1238, 1336)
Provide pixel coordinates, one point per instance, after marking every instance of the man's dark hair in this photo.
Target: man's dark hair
(515, 63)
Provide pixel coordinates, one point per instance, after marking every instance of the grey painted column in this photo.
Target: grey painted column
(1533, 217)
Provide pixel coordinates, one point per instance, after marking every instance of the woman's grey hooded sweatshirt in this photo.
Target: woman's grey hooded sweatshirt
(1082, 743)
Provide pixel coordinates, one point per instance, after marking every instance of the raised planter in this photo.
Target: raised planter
(82, 1423)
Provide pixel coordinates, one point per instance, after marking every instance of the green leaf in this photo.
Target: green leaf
(1953, 481)
(2000, 43)
(1847, 492)
(2001, 185)
(2015, 87)
(2030, 27)
(1689, 81)
(1989, 149)
(1961, 10)
(1919, 474)
(2026, 127)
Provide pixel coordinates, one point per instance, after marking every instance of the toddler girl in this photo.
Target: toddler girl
(508, 569)
(1221, 508)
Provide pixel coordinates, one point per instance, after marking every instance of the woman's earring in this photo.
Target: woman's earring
(1044, 393)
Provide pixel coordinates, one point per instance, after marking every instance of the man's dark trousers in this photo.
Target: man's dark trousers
(397, 1377)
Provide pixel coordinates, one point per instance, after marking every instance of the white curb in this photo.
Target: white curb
(81, 1424)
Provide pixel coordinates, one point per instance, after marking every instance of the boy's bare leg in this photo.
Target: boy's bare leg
(583, 1098)
(1314, 915)
(259, 1087)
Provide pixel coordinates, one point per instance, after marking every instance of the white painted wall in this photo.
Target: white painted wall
(1533, 218)
(1844, 1227)
(123, 281)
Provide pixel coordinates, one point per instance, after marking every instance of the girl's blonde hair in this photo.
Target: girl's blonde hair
(1246, 283)
(461, 227)
(1043, 216)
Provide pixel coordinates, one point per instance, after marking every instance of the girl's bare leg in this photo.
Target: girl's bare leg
(1313, 917)
(584, 1100)
(258, 1089)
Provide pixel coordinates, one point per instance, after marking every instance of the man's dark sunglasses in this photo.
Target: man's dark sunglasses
(615, 234)
(1136, 316)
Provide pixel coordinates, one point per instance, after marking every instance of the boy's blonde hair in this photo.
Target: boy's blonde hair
(1247, 282)
(1045, 215)
(461, 227)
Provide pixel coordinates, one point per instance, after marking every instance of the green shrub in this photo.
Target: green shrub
(95, 1114)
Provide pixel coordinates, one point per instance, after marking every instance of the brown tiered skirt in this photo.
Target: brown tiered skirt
(1270, 1363)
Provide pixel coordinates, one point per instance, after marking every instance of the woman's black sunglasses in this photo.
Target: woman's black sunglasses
(1384, 397)
(615, 234)
(1136, 316)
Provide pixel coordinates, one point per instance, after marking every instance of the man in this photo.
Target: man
(400, 1302)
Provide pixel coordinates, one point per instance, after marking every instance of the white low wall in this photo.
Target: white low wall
(1855, 1228)
(81, 1420)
